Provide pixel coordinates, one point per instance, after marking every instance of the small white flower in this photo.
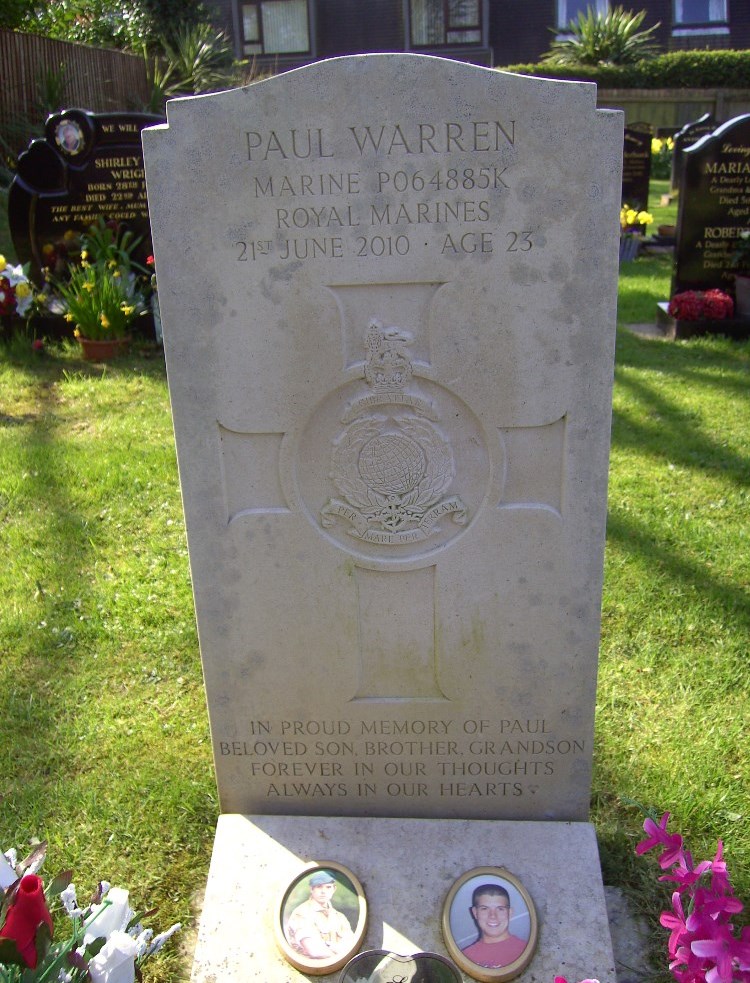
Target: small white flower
(142, 939)
(112, 915)
(160, 939)
(70, 901)
(11, 856)
(115, 962)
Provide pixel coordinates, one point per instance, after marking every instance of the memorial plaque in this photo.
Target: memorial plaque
(714, 209)
(87, 165)
(690, 134)
(390, 368)
(636, 166)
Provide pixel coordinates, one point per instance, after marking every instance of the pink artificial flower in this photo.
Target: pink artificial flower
(676, 922)
(658, 835)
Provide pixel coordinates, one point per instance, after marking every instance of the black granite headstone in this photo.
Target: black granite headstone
(636, 166)
(714, 208)
(87, 165)
(689, 135)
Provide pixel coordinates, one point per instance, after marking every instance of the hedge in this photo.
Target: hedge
(677, 69)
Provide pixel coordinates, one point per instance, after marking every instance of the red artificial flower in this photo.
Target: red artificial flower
(7, 297)
(25, 915)
(149, 261)
(692, 305)
(717, 304)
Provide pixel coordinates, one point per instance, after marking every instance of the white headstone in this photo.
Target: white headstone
(388, 289)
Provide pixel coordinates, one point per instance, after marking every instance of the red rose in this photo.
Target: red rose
(25, 915)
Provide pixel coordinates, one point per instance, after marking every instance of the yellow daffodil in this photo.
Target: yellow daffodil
(656, 145)
(116, 275)
(3, 262)
(77, 331)
(644, 218)
(84, 254)
(112, 264)
(88, 285)
(127, 310)
(104, 320)
(69, 317)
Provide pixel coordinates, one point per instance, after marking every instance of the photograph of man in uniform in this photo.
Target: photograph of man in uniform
(491, 911)
(316, 929)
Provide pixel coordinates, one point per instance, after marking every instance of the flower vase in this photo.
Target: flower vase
(103, 349)
(742, 295)
(629, 246)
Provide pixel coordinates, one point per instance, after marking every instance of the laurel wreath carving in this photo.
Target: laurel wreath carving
(392, 510)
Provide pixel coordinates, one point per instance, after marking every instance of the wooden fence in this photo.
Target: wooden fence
(99, 79)
(667, 110)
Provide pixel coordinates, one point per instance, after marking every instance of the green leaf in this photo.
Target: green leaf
(59, 883)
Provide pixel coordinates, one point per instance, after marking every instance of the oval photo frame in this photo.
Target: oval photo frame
(491, 934)
(312, 941)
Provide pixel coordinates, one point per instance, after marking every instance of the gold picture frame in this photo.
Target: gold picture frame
(490, 934)
(314, 933)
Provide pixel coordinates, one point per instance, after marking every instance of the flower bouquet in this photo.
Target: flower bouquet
(703, 946)
(16, 290)
(697, 305)
(103, 294)
(633, 223)
(107, 943)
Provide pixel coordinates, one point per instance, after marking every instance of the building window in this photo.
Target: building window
(445, 22)
(700, 12)
(568, 10)
(275, 27)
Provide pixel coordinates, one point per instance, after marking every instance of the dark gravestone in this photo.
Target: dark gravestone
(689, 135)
(636, 165)
(714, 208)
(87, 165)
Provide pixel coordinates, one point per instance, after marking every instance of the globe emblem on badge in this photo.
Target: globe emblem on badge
(392, 464)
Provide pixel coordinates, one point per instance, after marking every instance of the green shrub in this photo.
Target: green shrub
(614, 38)
(675, 70)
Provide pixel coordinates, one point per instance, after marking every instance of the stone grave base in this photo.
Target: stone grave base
(406, 867)
(732, 327)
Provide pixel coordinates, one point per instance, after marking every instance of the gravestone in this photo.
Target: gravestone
(690, 134)
(636, 165)
(714, 209)
(87, 165)
(390, 370)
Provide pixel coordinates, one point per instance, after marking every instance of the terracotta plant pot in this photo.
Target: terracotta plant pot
(103, 349)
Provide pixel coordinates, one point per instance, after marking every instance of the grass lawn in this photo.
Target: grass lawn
(105, 743)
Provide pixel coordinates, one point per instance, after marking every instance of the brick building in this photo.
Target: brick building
(286, 33)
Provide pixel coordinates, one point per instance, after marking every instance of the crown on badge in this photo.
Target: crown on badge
(388, 366)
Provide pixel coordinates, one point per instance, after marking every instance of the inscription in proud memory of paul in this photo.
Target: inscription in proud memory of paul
(450, 759)
(362, 207)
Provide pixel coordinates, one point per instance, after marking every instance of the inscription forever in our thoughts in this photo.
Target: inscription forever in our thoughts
(377, 212)
(468, 759)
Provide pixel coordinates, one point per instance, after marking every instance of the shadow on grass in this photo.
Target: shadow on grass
(728, 599)
(51, 550)
(674, 432)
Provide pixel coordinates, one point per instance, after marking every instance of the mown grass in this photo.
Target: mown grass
(104, 741)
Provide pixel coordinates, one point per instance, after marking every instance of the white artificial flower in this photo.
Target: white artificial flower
(112, 915)
(162, 938)
(11, 856)
(70, 901)
(7, 874)
(115, 962)
(142, 938)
